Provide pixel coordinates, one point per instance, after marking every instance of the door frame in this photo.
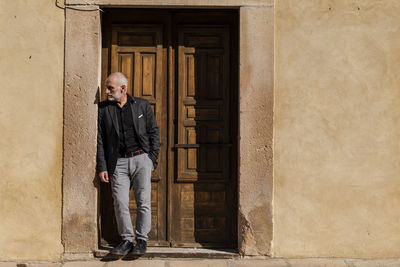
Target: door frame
(82, 81)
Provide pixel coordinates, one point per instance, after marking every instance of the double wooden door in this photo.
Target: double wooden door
(185, 69)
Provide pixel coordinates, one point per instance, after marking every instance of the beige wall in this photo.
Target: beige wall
(255, 143)
(337, 128)
(31, 78)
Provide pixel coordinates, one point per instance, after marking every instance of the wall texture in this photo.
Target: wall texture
(31, 75)
(255, 142)
(82, 72)
(336, 128)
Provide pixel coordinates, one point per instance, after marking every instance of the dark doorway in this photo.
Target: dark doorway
(185, 62)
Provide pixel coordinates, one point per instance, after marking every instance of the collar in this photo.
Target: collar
(131, 98)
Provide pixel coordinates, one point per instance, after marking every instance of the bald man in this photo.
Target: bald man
(127, 152)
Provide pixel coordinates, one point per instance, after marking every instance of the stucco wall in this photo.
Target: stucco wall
(336, 128)
(82, 81)
(31, 78)
(255, 142)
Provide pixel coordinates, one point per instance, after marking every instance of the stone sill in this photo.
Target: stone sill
(163, 252)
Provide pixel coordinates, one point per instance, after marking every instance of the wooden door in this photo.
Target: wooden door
(138, 52)
(187, 72)
(203, 198)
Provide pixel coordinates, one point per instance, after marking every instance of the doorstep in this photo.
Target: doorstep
(241, 262)
(167, 252)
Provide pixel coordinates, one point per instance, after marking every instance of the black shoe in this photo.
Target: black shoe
(123, 248)
(140, 247)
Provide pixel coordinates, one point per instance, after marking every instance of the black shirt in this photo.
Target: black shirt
(127, 135)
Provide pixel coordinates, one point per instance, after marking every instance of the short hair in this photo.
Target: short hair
(121, 78)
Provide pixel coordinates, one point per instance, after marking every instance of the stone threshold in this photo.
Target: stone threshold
(167, 252)
(241, 262)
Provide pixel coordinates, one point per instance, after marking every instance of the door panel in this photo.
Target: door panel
(203, 193)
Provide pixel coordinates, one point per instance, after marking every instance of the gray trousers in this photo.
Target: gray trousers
(132, 172)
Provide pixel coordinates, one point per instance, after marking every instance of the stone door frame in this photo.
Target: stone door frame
(82, 79)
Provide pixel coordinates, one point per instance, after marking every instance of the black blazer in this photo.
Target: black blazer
(108, 130)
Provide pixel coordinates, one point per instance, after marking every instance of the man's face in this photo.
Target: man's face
(114, 91)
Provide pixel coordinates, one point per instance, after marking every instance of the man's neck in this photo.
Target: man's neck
(122, 100)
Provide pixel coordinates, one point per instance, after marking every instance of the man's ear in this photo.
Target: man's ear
(123, 87)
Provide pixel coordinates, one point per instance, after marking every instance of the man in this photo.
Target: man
(127, 152)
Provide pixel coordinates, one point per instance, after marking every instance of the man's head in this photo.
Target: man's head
(116, 85)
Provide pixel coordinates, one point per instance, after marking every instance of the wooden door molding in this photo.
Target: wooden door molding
(204, 195)
(203, 83)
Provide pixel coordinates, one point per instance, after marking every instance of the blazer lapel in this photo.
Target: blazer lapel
(135, 112)
(112, 109)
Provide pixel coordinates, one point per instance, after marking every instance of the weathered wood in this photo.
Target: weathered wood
(203, 192)
(184, 70)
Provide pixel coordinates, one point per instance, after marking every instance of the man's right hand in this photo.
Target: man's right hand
(103, 176)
